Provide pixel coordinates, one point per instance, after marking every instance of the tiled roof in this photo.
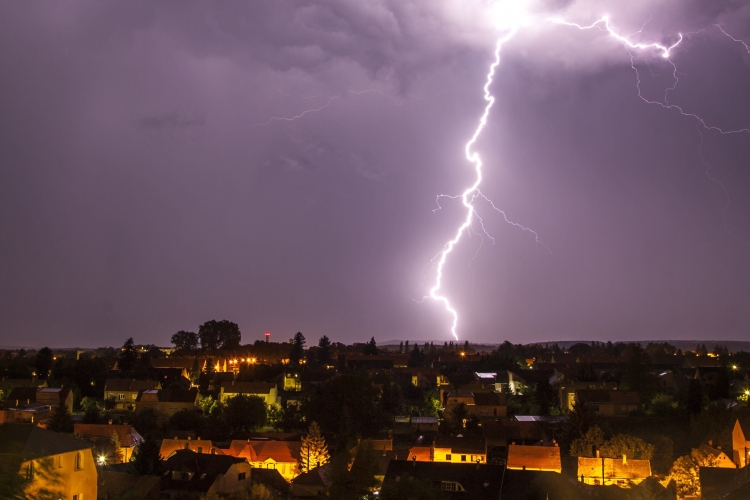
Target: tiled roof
(24, 395)
(422, 453)
(489, 399)
(169, 446)
(534, 457)
(614, 468)
(461, 445)
(260, 451)
(205, 468)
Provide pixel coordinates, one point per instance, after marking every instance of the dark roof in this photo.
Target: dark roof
(480, 481)
(744, 426)
(34, 442)
(129, 385)
(22, 395)
(173, 395)
(720, 483)
(605, 396)
(204, 467)
(137, 486)
(461, 444)
(319, 476)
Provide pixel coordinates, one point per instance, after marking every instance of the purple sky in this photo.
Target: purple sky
(143, 189)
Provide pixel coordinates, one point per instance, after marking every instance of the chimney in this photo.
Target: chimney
(109, 421)
(710, 442)
(597, 454)
(624, 460)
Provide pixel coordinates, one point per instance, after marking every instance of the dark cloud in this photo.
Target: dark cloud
(145, 186)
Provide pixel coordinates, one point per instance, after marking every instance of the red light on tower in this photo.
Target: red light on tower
(268, 336)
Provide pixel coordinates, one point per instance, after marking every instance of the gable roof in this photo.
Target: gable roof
(31, 441)
(205, 469)
(534, 457)
(260, 451)
(744, 423)
(479, 481)
(169, 446)
(115, 482)
(614, 468)
(489, 399)
(24, 395)
(172, 395)
(461, 445)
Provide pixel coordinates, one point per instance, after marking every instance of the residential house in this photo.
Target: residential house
(719, 483)
(267, 391)
(741, 442)
(169, 446)
(30, 405)
(479, 404)
(190, 475)
(283, 456)
(124, 392)
(424, 377)
(501, 433)
(383, 361)
(101, 436)
(53, 396)
(292, 382)
(166, 402)
(451, 449)
(567, 391)
(313, 483)
(477, 482)
(539, 458)
(621, 472)
(722, 459)
(609, 403)
(53, 464)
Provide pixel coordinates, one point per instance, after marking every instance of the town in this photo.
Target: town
(210, 417)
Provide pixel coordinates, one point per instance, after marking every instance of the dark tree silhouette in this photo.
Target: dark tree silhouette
(44, 361)
(146, 457)
(214, 335)
(127, 357)
(325, 356)
(371, 348)
(185, 341)
(298, 349)
(244, 414)
(60, 420)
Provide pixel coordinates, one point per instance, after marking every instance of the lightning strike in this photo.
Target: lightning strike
(518, 17)
(471, 193)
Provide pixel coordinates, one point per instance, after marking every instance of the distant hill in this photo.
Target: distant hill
(685, 345)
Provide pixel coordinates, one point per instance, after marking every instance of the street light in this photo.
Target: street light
(102, 460)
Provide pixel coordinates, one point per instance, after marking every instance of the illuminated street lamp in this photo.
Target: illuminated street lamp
(102, 460)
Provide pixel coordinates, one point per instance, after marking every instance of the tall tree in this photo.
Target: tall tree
(314, 451)
(214, 335)
(325, 356)
(116, 447)
(127, 356)
(60, 420)
(43, 362)
(146, 458)
(185, 341)
(244, 414)
(371, 348)
(298, 349)
(208, 335)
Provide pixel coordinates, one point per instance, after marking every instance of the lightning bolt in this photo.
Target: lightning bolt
(469, 196)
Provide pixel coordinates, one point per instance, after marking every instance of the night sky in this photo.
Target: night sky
(145, 187)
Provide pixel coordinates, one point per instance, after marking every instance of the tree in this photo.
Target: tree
(127, 357)
(185, 341)
(355, 401)
(60, 420)
(91, 410)
(298, 349)
(578, 422)
(371, 348)
(416, 357)
(459, 414)
(630, 446)
(116, 447)
(324, 351)
(43, 362)
(244, 413)
(146, 458)
(313, 452)
(586, 445)
(686, 472)
(214, 335)
(185, 420)
(694, 401)
(364, 469)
